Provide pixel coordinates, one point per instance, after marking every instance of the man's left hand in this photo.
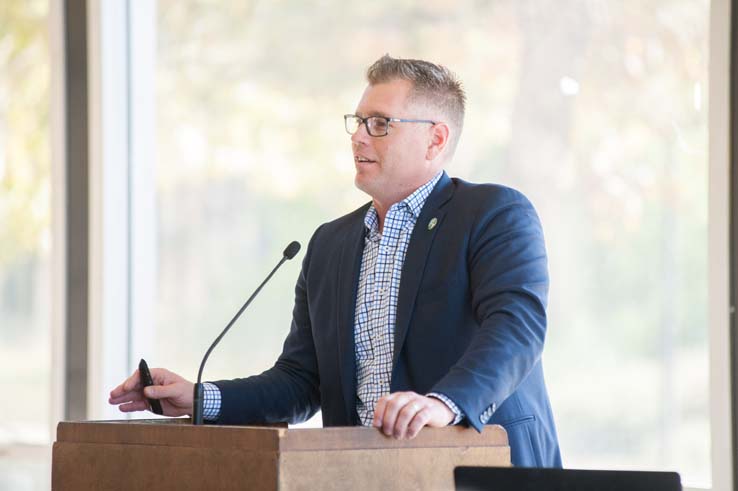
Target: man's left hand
(404, 414)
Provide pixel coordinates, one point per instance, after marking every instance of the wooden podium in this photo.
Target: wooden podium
(172, 454)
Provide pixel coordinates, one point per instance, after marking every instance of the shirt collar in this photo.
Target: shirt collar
(414, 203)
(417, 199)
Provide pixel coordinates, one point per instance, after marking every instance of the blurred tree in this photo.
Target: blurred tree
(591, 108)
(24, 131)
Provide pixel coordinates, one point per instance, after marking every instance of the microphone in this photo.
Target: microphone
(292, 249)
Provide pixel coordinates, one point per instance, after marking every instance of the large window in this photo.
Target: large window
(596, 110)
(227, 143)
(25, 245)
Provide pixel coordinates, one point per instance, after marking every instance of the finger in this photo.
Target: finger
(127, 397)
(406, 414)
(418, 422)
(134, 406)
(394, 404)
(171, 391)
(379, 411)
(117, 392)
(381, 406)
(162, 376)
(171, 410)
(132, 383)
(128, 385)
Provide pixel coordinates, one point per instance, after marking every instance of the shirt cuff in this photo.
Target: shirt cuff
(210, 401)
(458, 413)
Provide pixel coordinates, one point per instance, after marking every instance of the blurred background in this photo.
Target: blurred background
(595, 110)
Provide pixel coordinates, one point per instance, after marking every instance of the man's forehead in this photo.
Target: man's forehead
(384, 98)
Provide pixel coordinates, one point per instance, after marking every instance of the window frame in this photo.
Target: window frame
(720, 246)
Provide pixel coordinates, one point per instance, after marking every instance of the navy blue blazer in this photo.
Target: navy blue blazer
(471, 322)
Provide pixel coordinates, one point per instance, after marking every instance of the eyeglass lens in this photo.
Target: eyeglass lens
(375, 125)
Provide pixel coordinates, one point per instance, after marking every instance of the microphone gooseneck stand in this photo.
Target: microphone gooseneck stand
(197, 403)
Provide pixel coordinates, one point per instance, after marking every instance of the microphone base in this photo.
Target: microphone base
(197, 404)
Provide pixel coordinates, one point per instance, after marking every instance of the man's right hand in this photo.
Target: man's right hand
(174, 392)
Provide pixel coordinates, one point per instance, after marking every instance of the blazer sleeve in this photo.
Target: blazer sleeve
(508, 278)
(289, 391)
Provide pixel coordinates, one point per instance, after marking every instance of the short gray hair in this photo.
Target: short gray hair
(433, 84)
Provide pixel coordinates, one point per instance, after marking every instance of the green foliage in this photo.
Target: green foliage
(25, 164)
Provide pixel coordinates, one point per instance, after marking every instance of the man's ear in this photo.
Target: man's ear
(440, 133)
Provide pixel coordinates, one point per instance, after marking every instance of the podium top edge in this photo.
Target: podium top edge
(179, 432)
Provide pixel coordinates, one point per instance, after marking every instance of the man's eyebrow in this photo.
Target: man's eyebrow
(372, 113)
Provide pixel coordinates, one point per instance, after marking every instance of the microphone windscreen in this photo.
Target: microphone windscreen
(292, 249)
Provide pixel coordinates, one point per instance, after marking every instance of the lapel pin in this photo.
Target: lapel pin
(432, 223)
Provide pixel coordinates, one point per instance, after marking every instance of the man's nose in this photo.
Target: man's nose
(360, 135)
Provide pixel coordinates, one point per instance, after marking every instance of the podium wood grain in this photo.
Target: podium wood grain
(173, 454)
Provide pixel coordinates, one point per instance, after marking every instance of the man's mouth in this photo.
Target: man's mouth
(363, 160)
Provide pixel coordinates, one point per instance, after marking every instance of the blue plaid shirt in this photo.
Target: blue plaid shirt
(376, 299)
(376, 306)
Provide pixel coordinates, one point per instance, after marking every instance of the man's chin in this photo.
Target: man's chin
(363, 184)
(366, 185)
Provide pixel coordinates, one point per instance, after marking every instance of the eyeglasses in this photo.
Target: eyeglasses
(376, 125)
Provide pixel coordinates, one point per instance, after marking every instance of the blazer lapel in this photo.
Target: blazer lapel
(416, 256)
(349, 264)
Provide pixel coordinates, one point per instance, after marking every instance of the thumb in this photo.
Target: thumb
(163, 391)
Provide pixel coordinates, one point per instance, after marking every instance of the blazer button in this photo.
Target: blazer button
(487, 414)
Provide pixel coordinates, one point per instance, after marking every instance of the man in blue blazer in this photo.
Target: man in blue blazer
(424, 307)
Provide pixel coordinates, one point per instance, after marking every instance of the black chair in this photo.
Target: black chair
(534, 479)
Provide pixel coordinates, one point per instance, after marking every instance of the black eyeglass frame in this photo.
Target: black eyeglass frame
(363, 121)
